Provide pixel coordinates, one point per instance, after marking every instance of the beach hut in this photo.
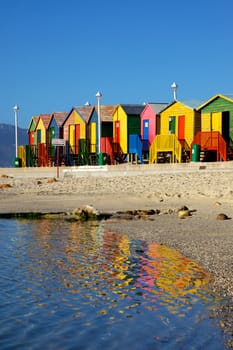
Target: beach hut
(106, 135)
(150, 125)
(31, 147)
(76, 135)
(32, 130)
(216, 134)
(42, 128)
(42, 138)
(127, 132)
(55, 131)
(55, 126)
(179, 122)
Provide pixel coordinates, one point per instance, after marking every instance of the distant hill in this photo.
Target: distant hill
(7, 143)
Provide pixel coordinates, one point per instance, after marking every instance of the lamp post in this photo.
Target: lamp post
(174, 87)
(16, 110)
(99, 95)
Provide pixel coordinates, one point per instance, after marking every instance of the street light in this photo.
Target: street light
(16, 110)
(99, 95)
(174, 87)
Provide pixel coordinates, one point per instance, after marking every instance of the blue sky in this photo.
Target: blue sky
(56, 54)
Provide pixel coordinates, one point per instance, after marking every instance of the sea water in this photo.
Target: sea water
(79, 286)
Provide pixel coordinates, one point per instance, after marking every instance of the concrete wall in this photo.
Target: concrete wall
(116, 170)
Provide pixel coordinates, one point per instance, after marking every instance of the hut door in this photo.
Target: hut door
(216, 121)
(181, 126)
(117, 137)
(71, 138)
(51, 134)
(226, 126)
(206, 122)
(93, 137)
(146, 134)
(51, 137)
(77, 137)
(117, 132)
(146, 129)
(172, 125)
(31, 138)
(38, 136)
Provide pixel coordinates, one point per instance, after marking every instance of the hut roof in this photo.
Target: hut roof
(192, 104)
(131, 109)
(46, 118)
(106, 112)
(59, 117)
(85, 112)
(34, 119)
(228, 97)
(157, 107)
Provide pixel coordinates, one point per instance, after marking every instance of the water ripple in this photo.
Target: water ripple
(76, 286)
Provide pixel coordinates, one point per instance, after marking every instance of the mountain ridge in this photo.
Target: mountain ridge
(7, 143)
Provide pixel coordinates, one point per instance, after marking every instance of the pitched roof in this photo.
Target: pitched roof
(133, 109)
(59, 117)
(85, 112)
(157, 107)
(46, 119)
(192, 104)
(226, 97)
(106, 112)
(34, 119)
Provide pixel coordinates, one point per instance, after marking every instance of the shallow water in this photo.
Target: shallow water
(78, 286)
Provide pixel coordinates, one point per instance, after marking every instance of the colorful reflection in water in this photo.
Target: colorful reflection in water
(76, 286)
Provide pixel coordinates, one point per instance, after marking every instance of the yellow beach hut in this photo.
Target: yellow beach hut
(42, 139)
(179, 122)
(75, 133)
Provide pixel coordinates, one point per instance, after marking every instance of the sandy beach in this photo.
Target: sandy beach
(206, 191)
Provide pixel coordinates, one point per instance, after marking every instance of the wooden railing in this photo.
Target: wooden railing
(211, 140)
(165, 143)
(118, 154)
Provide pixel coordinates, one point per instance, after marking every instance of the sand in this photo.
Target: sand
(201, 236)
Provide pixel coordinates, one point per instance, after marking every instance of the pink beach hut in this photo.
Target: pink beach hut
(150, 123)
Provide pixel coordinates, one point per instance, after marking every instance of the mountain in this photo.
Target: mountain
(7, 143)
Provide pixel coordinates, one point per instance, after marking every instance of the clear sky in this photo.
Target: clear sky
(56, 54)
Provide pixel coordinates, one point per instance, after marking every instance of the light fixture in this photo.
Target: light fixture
(99, 95)
(16, 110)
(174, 87)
